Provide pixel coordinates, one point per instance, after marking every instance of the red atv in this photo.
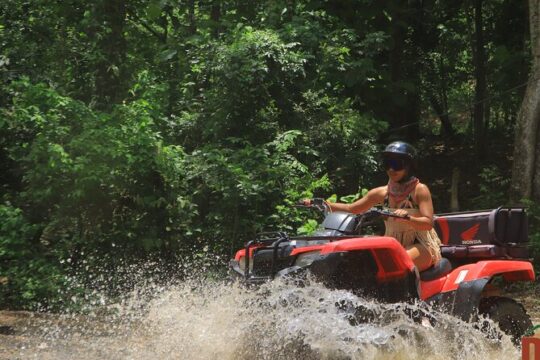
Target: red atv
(479, 248)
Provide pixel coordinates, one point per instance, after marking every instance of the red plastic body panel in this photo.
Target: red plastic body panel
(433, 287)
(510, 270)
(242, 252)
(445, 230)
(391, 258)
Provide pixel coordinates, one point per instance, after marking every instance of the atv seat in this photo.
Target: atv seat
(441, 268)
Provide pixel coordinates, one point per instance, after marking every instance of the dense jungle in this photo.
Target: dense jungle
(167, 131)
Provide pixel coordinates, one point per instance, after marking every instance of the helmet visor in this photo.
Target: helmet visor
(394, 164)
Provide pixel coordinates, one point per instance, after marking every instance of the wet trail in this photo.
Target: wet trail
(215, 320)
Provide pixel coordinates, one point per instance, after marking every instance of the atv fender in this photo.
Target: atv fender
(392, 259)
(461, 292)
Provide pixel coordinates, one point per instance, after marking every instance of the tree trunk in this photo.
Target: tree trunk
(526, 167)
(246, 9)
(454, 190)
(215, 15)
(443, 95)
(191, 16)
(442, 113)
(405, 113)
(173, 74)
(110, 87)
(480, 95)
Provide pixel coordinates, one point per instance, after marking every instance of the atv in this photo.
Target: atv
(481, 250)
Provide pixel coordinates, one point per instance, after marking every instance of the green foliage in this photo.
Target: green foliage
(349, 199)
(308, 228)
(311, 225)
(15, 231)
(252, 77)
(533, 212)
(493, 188)
(82, 167)
(236, 190)
(107, 182)
(149, 128)
(30, 275)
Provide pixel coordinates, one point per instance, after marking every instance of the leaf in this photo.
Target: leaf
(167, 55)
(308, 228)
(332, 198)
(348, 199)
(154, 10)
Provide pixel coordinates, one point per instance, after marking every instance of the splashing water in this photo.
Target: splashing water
(199, 318)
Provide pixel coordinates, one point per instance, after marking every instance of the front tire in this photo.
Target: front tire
(508, 314)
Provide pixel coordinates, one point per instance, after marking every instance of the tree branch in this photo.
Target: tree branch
(138, 21)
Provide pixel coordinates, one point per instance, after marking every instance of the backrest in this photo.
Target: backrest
(509, 226)
(502, 226)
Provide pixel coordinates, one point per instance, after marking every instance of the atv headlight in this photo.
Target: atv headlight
(305, 259)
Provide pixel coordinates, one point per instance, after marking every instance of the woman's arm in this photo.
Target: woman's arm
(372, 198)
(423, 221)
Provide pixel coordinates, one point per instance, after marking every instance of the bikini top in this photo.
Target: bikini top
(408, 203)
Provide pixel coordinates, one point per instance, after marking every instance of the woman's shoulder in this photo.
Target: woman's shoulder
(378, 193)
(421, 186)
(379, 190)
(421, 191)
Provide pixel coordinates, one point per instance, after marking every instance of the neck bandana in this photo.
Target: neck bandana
(399, 191)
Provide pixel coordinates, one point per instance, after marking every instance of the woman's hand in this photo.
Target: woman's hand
(305, 202)
(403, 215)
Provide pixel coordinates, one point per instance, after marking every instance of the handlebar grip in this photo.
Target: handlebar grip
(317, 202)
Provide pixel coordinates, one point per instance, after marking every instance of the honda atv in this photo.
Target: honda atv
(480, 250)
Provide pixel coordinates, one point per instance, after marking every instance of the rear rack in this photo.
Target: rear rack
(504, 226)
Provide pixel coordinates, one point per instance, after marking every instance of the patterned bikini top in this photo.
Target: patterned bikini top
(408, 203)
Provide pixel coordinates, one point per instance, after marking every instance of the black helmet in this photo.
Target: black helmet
(400, 148)
(406, 151)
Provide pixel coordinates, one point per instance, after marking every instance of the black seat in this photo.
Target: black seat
(441, 268)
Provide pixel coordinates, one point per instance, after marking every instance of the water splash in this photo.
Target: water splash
(201, 318)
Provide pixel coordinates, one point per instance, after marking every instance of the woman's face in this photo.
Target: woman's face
(396, 175)
(396, 168)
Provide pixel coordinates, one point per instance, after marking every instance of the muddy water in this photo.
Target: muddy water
(216, 320)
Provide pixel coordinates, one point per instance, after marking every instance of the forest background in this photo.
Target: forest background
(168, 130)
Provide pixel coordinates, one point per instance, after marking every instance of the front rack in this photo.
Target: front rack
(276, 239)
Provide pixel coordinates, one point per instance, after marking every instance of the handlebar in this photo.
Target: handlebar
(321, 205)
(377, 211)
(317, 203)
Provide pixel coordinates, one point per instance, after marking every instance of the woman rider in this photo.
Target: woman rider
(405, 195)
